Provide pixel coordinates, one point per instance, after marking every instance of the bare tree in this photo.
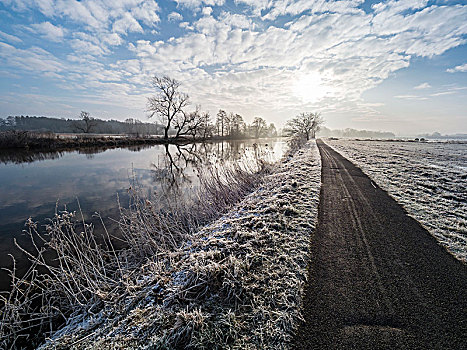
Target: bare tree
(206, 127)
(272, 131)
(86, 124)
(130, 126)
(306, 124)
(259, 127)
(188, 124)
(237, 125)
(221, 116)
(168, 103)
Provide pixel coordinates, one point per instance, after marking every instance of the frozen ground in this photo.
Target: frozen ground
(237, 283)
(428, 179)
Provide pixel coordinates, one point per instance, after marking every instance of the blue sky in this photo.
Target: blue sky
(399, 66)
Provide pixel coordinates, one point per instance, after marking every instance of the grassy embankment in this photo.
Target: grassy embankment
(236, 282)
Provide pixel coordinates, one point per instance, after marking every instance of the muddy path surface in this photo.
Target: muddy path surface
(377, 278)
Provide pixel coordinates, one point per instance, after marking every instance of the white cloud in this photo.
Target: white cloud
(186, 25)
(33, 59)
(236, 20)
(111, 39)
(175, 16)
(398, 6)
(443, 93)
(97, 15)
(206, 11)
(197, 4)
(87, 47)
(422, 86)
(146, 12)
(10, 38)
(49, 31)
(286, 7)
(461, 68)
(411, 97)
(126, 24)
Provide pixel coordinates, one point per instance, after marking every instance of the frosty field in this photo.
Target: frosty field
(428, 179)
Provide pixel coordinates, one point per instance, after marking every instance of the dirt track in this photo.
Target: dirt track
(377, 279)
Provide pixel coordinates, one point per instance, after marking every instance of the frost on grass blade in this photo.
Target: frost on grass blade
(236, 283)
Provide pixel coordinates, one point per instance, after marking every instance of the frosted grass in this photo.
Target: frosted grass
(237, 283)
(428, 179)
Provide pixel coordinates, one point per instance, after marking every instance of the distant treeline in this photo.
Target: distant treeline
(62, 125)
(225, 126)
(325, 132)
(437, 135)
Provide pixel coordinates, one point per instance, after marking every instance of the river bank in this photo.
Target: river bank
(47, 141)
(26, 140)
(237, 282)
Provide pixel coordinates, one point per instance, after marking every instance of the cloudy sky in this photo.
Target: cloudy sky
(397, 66)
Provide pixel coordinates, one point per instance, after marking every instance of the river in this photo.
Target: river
(35, 184)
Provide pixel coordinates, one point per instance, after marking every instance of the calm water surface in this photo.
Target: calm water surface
(35, 184)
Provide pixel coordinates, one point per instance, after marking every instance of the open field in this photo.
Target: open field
(428, 179)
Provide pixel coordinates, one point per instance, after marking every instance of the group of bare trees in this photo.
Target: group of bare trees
(231, 125)
(169, 105)
(305, 125)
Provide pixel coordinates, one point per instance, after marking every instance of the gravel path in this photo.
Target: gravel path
(377, 278)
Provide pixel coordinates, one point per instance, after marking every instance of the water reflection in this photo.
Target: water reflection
(23, 156)
(9, 156)
(37, 183)
(172, 169)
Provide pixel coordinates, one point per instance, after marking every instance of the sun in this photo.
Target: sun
(310, 88)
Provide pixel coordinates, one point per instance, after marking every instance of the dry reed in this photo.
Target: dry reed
(87, 278)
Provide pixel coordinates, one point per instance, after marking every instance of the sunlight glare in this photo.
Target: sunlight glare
(309, 88)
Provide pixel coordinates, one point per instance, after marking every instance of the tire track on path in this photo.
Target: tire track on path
(377, 278)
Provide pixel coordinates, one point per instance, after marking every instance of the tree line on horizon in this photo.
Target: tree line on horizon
(226, 125)
(169, 106)
(349, 132)
(84, 125)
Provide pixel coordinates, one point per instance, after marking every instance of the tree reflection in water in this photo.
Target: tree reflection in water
(59, 177)
(174, 168)
(19, 156)
(23, 156)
